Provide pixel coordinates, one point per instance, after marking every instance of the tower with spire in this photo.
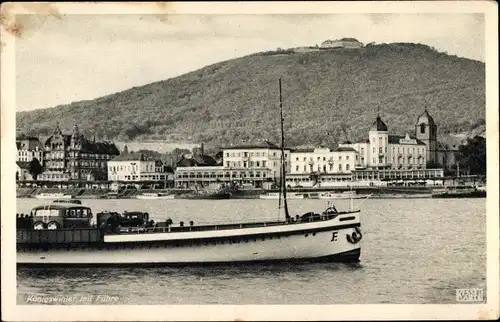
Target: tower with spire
(76, 138)
(426, 131)
(379, 141)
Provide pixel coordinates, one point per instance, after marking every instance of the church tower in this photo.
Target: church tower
(379, 142)
(426, 131)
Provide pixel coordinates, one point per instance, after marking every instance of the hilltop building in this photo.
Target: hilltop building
(348, 43)
(73, 157)
(28, 148)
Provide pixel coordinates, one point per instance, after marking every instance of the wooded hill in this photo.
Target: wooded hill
(329, 96)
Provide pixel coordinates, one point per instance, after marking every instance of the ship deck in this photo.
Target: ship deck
(96, 235)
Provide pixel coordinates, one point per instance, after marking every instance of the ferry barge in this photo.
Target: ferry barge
(131, 238)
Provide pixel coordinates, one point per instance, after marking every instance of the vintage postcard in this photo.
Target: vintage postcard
(249, 161)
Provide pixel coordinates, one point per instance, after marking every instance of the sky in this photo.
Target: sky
(70, 58)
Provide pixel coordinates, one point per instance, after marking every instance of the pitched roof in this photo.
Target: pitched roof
(130, 157)
(344, 149)
(394, 139)
(99, 147)
(378, 125)
(199, 160)
(302, 150)
(186, 162)
(66, 138)
(259, 145)
(425, 118)
(28, 143)
(23, 164)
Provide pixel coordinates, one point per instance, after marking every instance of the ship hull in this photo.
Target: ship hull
(321, 241)
(474, 194)
(273, 197)
(351, 256)
(142, 197)
(218, 196)
(56, 196)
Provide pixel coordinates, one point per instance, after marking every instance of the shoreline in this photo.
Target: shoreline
(361, 192)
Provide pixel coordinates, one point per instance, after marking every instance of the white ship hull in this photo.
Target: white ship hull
(53, 196)
(314, 241)
(276, 196)
(337, 196)
(147, 197)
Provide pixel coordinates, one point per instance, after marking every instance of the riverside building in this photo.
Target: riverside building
(137, 168)
(75, 158)
(321, 167)
(252, 164)
(386, 157)
(29, 148)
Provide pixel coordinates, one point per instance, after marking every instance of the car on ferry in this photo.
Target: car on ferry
(61, 215)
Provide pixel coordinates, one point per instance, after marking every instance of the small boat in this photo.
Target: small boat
(459, 192)
(53, 196)
(276, 196)
(336, 195)
(73, 201)
(205, 195)
(481, 188)
(64, 235)
(213, 191)
(154, 196)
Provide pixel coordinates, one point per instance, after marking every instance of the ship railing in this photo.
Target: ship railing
(225, 226)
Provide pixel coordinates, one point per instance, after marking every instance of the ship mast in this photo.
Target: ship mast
(283, 169)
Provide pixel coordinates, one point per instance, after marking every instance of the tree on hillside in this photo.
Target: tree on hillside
(472, 156)
(35, 168)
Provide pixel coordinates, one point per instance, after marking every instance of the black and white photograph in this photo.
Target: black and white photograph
(249, 161)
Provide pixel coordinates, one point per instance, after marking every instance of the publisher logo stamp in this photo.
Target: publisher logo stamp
(469, 295)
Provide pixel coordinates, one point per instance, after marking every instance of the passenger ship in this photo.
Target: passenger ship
(336, 195)
(64, 235)
(277, 195)
(53, 196)
(151, 195)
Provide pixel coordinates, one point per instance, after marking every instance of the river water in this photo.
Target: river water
(413, 251)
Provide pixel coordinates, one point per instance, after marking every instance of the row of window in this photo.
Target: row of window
(75, 154)
(251, 154)
(134, 167)
(403, 150)
(324, 158)
(251, 164)
(136, 177)
(319, 168)
(399, 174)
(256, 174)
(28, 153)
(321, 179)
